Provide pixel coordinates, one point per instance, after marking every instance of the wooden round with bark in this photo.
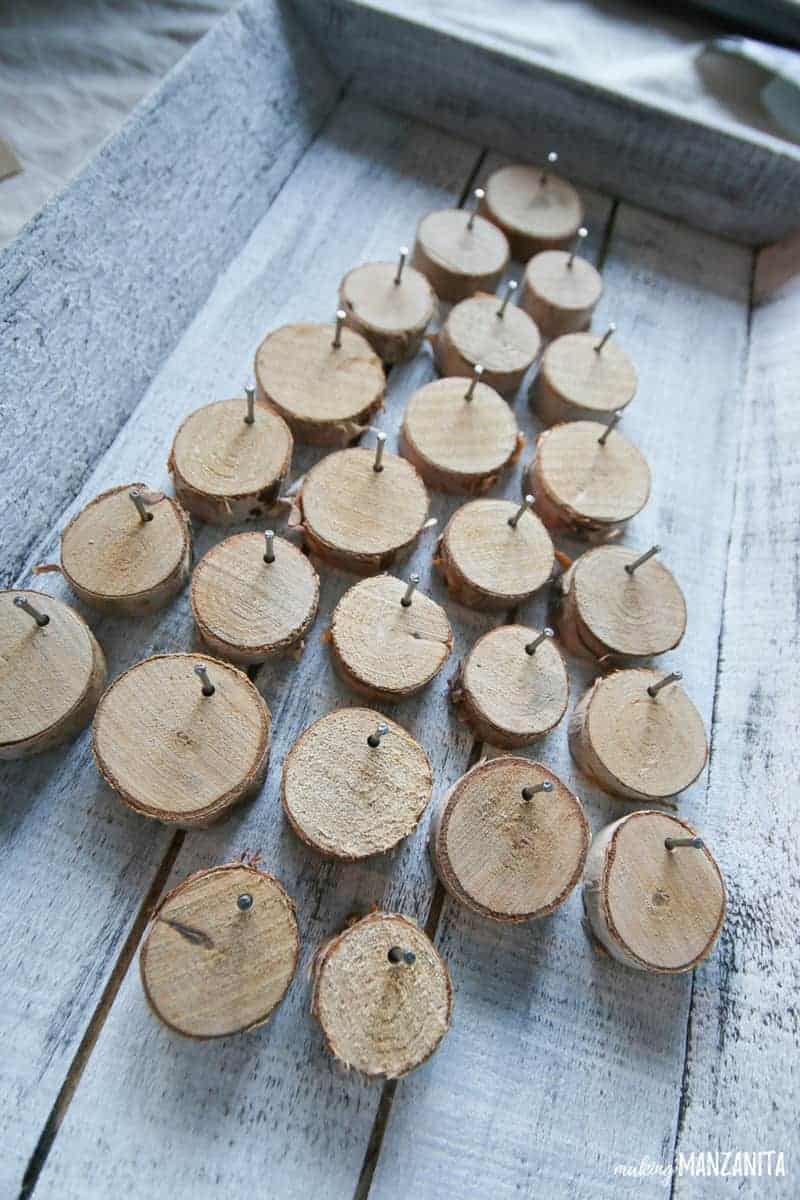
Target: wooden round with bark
(380, 1017)
(560, 294)
(328, 395)
(124, 561)
(220, 952)
(174, 753)
(651, 907)
(475, 335)
(383, 648)
(507, 694)
(536, 209)
(489, 564)
(459, 253)
(350, 790)
(226, 470)
(578, 382)
(635, 745)
(503, 848)
(460, 438)
(392, 316)
(52, 676)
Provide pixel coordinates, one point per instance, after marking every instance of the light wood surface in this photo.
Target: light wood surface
(392, 317)
(536, 209)
(473, 334)
(458, 259)
(489, 564)
(576, 382)
(560, 295)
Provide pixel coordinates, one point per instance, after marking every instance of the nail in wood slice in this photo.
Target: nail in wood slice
(248, 610)
(171, 752)
(651, 908)
(509, 697)
(560, 298)
(474, 335)
(392, 317)
(51, 675)
(634, 745)
(534, 213)
(328, 395)
(220, 952)
(503, 856)
(377, 1017)
(225, 470)
(121, 564)
(576, 382)
(348, 799)
(457, 258)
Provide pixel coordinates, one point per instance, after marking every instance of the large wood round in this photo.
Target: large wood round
(560, 297)
(577, 382)
(246, 609)
(348, 799)
(121, 564)
(652, 908)
(456, 258)
(509, 697)
(460, 445)
(328, 395)
(584, 488)
(474, 335)
(358, 518)
(51, 675)
(225, 470)
(502, 855)
(174, 754)
(220, 952)
(392, 316)
(489, 565)
(635, 745)
(535, 213)
(378, 1017)
(386, 650)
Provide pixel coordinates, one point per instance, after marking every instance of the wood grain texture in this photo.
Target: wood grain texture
(459, 253)
(560, 292)
(536, 209)
(474, 334)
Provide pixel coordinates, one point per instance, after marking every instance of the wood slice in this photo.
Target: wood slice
(534, 215)
(226, 471)
(358, 518)
(377, 1017)
(51, 675)
(473, 335)
(503, 856)
(584, 488)
(220, 952)
(392, 317)
(560, 298)
(348, 799)
(459, 445)
(575, 382)
(120, 564)
(652, 908)
(458, 260)
(386, 650)
(509, 697)
(327, 395)
(489, 565)
(246, 609)
(174, 754)
(635, 745)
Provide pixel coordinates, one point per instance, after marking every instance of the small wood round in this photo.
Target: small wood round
(456, 260)
(120, 564)
(51, 676)
(505, 857)
(584, 488)
(327, 395)
(377, 1017)
(473, 335)
(226, 471)
(392, 317)
(174, 754)
(575, 382)
(358, 518)
(383, 649)
(652, 908)
(534, 215)
(347, 799)
(489, 565)
(607, 614)
(210, 968)
(509, 697)
(458, 445)
(246, 609)
(635, 745)
(560, 298)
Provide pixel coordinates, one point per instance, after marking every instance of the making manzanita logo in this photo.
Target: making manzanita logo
(723, 1164)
